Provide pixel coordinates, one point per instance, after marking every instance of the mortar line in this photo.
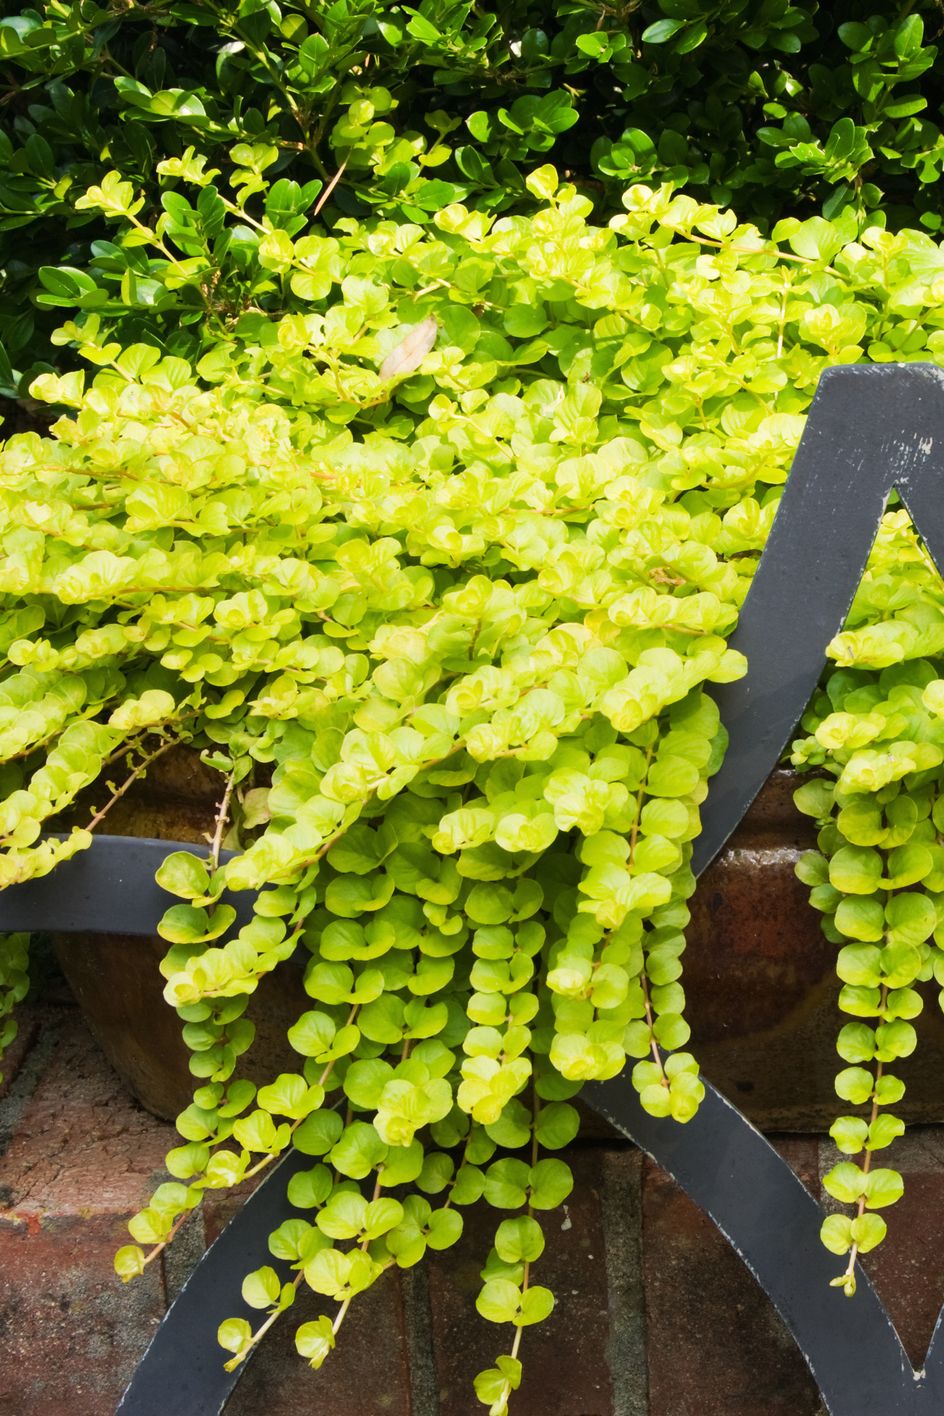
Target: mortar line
(622, 1226)
(417, 1311)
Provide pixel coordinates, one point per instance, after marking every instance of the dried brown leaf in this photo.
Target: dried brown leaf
(407, 356)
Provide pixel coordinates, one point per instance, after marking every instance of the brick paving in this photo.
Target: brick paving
(655, 1315)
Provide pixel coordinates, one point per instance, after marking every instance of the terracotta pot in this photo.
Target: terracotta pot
(759, 974)
(116, 978)
(761, 985)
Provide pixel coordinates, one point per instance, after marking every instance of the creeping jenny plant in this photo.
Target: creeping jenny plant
(449, 637)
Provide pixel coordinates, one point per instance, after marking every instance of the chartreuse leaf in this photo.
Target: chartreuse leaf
(262, 1288)
(235, 1335)
(315, 1340)
(519, 1239)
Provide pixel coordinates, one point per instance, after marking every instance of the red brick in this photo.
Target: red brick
(83, 1157)
(802, 1153)
(81, 1160)
(908, 1268)
(71, 1334)
(715, 1345)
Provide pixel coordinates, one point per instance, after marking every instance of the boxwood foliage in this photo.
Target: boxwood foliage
(436, 568)
(783, 107)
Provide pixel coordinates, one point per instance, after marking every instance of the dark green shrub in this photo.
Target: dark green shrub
(781, 107)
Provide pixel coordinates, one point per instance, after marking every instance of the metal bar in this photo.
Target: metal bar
(182, 1371)
(871, 428)
(772, 1222)
(108, 888)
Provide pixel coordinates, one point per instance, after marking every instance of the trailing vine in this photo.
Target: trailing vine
(877, 736)
(14, 984)
(452, 632)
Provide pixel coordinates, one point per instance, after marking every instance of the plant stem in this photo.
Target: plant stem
(751, 251)
(867, 1162)
(135, 774)
(526, 1275)
(650, 1019)
(328, 1069)
(175, 1229)
(221, 819)
(643, 980)
(329, 189)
